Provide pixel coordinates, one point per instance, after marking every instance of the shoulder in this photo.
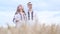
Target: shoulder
(16, 15)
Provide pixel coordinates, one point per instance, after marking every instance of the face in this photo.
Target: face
(20, 7)
(30, 6)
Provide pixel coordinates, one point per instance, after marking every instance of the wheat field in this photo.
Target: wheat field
(37, 29)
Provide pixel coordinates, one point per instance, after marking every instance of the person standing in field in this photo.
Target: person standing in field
(31, 15)
(19, 16)
(31, 18)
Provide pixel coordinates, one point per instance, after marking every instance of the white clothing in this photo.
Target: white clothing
(31, 22)
(21, 20)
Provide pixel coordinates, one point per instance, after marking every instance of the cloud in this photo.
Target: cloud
(48, 17)
(8, 8)
(6, 17)
(37, 4)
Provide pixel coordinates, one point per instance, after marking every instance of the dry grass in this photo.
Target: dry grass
(3, 31)
(37, 29)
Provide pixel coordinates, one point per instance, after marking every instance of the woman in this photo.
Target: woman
(20, 16)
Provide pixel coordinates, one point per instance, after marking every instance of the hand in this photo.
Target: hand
(17, 20)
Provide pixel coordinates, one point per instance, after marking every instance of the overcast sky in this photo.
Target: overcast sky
(48, 10)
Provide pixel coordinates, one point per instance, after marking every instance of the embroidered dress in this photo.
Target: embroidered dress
(19, 19)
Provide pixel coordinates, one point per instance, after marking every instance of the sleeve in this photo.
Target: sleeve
(35, 17)
(16, 18)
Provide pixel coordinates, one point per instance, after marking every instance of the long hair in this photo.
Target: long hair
(18, 10)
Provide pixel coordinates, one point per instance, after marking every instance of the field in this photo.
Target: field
(37, 29)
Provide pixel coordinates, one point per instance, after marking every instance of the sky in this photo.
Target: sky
(48, 11)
